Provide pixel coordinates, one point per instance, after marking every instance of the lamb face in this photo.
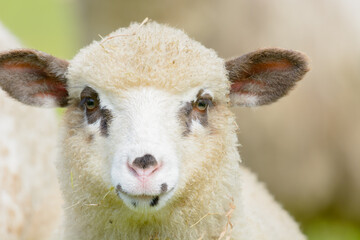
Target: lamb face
(144, 139)
(141, 103)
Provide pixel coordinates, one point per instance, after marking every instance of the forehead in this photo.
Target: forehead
(152, 55)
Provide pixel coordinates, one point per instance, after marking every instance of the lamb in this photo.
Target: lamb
(148, 145)
(27, 173)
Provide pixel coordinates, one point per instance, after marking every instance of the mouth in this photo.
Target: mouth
(143, 201)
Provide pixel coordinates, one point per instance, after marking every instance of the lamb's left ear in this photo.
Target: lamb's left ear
(264, 76)
(34, 78)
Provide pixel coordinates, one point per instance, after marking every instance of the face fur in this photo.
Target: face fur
(145, 128)
(141, 110)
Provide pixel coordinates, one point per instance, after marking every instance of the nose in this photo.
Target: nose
(145, 165)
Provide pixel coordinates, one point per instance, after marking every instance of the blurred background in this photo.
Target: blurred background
(305, 147)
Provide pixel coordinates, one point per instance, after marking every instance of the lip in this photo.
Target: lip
(143, 196)
(142, 200)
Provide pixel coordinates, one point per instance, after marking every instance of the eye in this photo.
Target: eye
(201, 105)
(90, 103)
(89, 99)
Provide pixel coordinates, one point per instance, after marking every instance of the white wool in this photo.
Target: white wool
(29, 195)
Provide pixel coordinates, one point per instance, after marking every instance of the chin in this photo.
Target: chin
(146, 203)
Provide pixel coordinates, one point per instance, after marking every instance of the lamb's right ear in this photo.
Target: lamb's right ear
(264, 76)
(34, 78)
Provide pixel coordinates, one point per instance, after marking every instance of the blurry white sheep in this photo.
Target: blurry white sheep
(29, 193)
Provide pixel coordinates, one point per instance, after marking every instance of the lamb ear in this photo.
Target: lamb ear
(264, 76)
(34, 78)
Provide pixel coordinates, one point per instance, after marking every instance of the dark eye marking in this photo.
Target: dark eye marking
(196, 110)
(90, 103)
(105, 121)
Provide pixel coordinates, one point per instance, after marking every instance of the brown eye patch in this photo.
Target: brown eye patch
(196, 110)
(90, 103)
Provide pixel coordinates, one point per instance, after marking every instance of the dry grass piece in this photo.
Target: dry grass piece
(228, 215)
(103, 40)
(92, 204)
(101, 201)
(125, 35)
(228, 226)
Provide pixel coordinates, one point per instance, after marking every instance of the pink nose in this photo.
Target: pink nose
(145, 165)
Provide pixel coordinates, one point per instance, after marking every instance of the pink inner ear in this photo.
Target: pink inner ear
(34, 78)
(23, 68)
(52, 88)
(48, 86)
(258, 68)
(280, 65)
(19, 66)
(239, 86)
(58, 95)
(50, 83)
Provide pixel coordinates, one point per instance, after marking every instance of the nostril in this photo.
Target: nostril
(144, 166)
(145, 161)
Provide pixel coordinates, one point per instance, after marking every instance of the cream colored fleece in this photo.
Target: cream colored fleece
(29, 194)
